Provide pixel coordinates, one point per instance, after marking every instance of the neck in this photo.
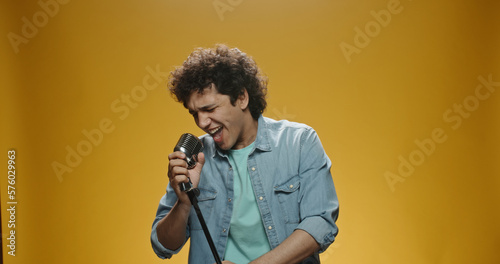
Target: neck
(249, 133)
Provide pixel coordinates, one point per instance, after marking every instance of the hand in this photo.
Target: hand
(178, 172)
(227, 262)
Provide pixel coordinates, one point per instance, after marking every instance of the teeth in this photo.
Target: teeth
(213, 131)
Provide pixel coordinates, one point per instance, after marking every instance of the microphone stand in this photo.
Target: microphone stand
(190, 145)
(192, 194)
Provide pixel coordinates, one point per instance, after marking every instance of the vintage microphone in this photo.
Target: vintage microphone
(191, 145)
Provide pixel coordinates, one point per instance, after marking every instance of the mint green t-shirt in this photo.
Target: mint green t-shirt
(247, 237)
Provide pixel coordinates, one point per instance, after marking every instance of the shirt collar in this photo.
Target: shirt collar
(262, 139)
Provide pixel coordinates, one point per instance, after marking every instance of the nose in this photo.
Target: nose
(204, 120)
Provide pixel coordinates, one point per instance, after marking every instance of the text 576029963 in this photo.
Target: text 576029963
(11, 202)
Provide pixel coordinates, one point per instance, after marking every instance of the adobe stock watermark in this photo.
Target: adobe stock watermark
(223, 6)
(372, 28)
(30, 27)
(280, 115)
(453, 117)
(122, 106)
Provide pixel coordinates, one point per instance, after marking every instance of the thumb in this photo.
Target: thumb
(200, 162)
(201, 158)
(195, 174)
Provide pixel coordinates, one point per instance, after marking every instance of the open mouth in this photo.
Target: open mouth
(214, 130)
(216, 134)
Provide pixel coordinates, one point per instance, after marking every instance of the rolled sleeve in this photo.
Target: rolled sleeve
(161, 251)
(320, 229)
(319, 205)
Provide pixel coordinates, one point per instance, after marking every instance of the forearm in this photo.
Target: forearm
(171, 230)
(298, 246)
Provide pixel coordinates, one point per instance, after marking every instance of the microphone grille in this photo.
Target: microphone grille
(190, 145)
(190, 142)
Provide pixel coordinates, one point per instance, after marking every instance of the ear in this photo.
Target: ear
(243, 100)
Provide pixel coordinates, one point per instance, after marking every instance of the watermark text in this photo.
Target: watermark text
(453, 117)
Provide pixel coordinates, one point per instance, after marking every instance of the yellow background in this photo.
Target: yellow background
(368, 113)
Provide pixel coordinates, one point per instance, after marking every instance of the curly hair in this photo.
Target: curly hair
(230, 70)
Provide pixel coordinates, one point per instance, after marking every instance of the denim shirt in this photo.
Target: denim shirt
(291, 179)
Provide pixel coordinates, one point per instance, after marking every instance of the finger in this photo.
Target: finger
(179, 178)
(177, 163)
(176, 155)
(177, 171)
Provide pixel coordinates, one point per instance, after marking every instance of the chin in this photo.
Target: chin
(222, 146)
(225, 146)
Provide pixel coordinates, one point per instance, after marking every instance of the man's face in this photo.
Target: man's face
(214, 114)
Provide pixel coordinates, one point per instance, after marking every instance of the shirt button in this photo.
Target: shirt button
(261, 198)
(253, 168)
(291, 186)
(269, 227)
(224, 230)
(229, 200)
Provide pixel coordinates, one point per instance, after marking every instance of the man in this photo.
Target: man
(266, 191)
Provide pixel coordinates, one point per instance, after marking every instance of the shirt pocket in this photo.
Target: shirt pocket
(206, 201)
(288, 197)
